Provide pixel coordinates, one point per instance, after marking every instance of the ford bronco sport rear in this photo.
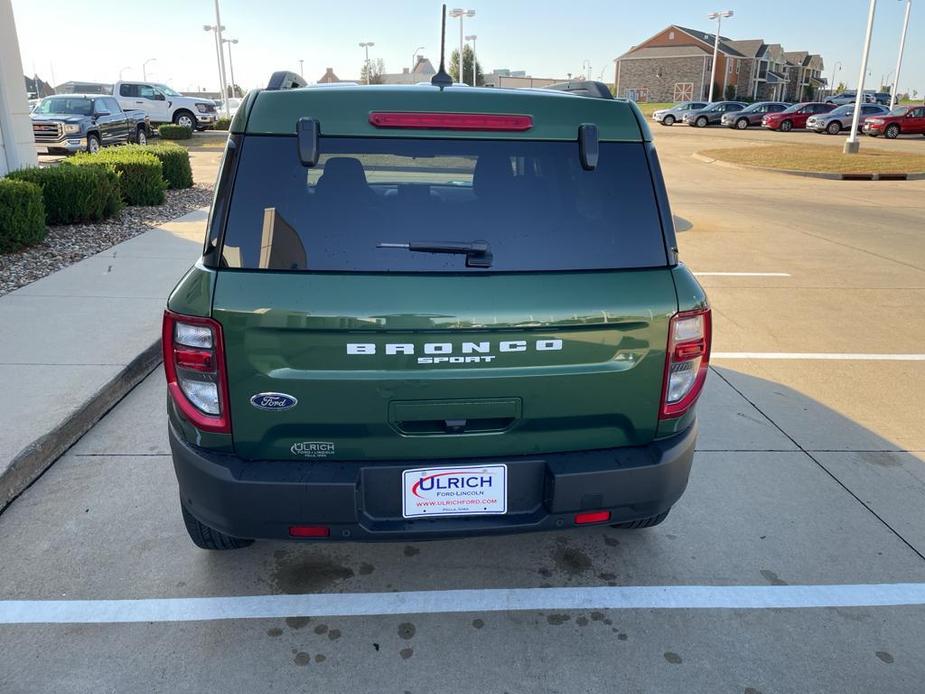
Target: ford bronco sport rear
(430, 312)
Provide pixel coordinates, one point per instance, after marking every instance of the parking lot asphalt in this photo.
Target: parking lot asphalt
(810, 471)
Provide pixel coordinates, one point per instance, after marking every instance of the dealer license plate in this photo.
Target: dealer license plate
(454, 491)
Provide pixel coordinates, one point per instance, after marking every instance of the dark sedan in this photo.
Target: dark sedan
(713, 113)
(752, 115)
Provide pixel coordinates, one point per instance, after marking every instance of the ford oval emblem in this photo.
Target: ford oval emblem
(273, 401)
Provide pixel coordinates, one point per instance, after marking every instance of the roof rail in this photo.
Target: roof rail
(595, 90)
(283, 79)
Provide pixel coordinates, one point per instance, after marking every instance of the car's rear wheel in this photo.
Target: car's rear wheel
(205, 537)
(702, 122)
(742, 123)
(185, 119)
(649, 522)
(141, 135)
(833, 128)
(891, 132)
(668, 120)
(786, 126)
(93, 143)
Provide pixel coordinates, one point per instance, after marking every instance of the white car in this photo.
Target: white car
(164, 105)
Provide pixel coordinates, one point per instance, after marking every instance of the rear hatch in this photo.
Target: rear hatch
(552, 340)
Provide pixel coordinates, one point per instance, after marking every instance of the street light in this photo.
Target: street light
(836, 68)
(462, 14)
(473, 37)
(144, 72)
(217, 29)
(851, 144)
(366, 45)
(899, 60)
(301, 62)
(121, 69)
(586, 68)
(414, 57)
(718, 16)
(230, 63)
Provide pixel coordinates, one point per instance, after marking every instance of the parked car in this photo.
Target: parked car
(392, 363)
(904, 120)
(795, 116)
(712, 113)
(870, 97)
(839, 118)
(669, 116)
(68, 123)
(164, 105)
(752, 114)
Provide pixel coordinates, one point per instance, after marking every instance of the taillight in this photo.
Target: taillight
(689, 335)
(194, 363)
(451, 121)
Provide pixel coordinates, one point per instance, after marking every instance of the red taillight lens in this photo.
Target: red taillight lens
(194, 364)
(592, 517)
(309, 531)
(686, 362)
(451, 121)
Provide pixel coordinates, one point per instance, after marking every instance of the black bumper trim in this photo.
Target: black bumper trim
(361, 501)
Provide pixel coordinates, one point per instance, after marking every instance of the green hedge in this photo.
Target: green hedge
(141, 173)
(175, 161)
(74, 194)
(175, 132)
(22, 215)
(222, 123)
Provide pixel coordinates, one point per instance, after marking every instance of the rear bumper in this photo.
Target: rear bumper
(361, 501)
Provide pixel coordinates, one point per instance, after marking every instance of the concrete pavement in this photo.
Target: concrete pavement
(72, 344)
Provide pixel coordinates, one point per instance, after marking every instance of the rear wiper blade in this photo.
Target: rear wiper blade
(478, 253)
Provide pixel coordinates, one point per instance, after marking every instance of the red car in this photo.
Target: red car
(908, 120)
(795, 116)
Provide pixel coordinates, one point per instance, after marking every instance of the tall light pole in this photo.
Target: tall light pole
(144, 72)
(718, 16)
(414, 57)
(473, 37)
(462, 14)
(899, 60)
(217, 29)
(123, 69)
(836, 68)
(851, 144)
(218, 58)
(586, 68)
(301, 74)
(230, 63)
(366, 45)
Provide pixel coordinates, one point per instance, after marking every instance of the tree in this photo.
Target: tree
(375, 69)
(467, 67)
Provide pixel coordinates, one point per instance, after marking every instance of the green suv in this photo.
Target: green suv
(427, 312)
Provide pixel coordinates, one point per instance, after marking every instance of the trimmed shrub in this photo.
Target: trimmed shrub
(175, 132)
(222, 123)
(22, 215)
(175, 163)
(141, 175)
(73, 194)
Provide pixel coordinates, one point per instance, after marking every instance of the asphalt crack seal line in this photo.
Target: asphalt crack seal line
(454, 601)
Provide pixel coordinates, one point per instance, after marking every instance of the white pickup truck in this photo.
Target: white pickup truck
(164, 105)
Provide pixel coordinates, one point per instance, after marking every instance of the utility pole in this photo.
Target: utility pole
(414, 57)
(718, 16)
(301, 74)
(851, 144)
(144, 71)
(221, 58)
(231, 64)
(899, 60)
(461, 13)
(366, 45)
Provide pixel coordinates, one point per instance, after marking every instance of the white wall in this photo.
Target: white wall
(17, 148)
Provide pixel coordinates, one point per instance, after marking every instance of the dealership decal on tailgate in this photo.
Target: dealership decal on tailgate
(479, 489)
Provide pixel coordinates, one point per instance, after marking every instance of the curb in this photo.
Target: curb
(815, 174)
(33, 460)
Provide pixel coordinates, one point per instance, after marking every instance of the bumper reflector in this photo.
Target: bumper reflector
(309, 531)
(592, 517)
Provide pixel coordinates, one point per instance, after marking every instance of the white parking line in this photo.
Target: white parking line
(828, 356)
(742, 274)
(449, 601)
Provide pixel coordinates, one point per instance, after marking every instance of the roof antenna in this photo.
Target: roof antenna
(441, 79)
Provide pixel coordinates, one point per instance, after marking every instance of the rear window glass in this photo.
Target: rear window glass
(529, 201)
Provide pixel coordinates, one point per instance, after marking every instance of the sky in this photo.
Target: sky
(94, 40)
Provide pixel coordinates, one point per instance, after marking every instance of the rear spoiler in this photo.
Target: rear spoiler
(594, 90)
(285, 80)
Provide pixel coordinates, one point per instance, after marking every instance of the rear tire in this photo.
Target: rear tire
(786, 126)
(649, 522)
(742, 123)
(93, 143)
(668, 120)
(891, 132)
(702, 122)
(185, 118)
(141, 135)
(205, 537)
(833, 128)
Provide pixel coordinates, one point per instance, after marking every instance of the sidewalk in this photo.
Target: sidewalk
(73, 343)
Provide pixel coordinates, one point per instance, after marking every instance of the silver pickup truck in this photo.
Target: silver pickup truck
(68, 123)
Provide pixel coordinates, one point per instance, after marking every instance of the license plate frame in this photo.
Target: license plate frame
(431, 493)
